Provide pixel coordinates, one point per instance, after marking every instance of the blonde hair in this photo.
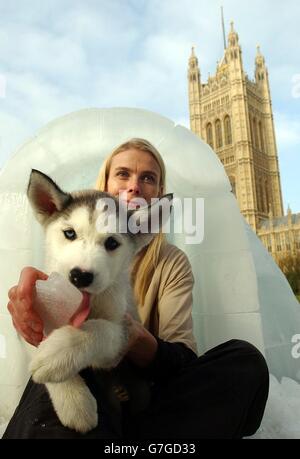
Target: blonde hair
(146, 261)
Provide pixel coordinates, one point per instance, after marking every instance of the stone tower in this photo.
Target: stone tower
(234, 115)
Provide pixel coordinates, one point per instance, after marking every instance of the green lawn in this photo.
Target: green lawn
(298, 297)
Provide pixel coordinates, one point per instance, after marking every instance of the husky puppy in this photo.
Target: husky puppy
(95, 258)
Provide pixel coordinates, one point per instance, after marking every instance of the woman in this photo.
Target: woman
(221, 394)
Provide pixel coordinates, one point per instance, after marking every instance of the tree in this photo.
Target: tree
(290, 266)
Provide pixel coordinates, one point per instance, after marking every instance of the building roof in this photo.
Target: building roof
(279, 221)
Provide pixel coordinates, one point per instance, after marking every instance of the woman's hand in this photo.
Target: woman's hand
(142, 345)
(26, 321)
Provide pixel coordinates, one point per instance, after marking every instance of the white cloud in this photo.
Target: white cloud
(41, 51)
(63, 55)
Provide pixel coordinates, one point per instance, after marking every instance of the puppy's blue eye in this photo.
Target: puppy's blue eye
(70, 234)
(111, 244)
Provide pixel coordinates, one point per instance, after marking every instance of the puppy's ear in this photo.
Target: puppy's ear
(45, 196)
(145, 223)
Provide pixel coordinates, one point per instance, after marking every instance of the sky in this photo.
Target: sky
(59, 56)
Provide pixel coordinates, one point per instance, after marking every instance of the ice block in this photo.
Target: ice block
(57, 302)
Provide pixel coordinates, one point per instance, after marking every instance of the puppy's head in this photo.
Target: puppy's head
(91, 238)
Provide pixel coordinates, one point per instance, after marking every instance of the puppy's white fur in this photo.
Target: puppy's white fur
(101, 340)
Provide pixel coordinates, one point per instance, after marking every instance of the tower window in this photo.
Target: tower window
(261, 198)
(209, 135)
(267, 196)
(228, 133)
(255, 134)
(219, 139)
(251, 130)
(261, 137)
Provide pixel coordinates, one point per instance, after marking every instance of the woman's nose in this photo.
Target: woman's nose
(134, 187)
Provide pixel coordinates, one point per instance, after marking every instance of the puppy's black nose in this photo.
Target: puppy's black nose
(81, 278)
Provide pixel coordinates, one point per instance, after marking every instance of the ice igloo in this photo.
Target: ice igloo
(239, 290)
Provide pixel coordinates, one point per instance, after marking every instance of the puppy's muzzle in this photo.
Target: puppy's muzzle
(81, 278)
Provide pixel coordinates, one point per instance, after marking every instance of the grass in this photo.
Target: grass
(298, 298)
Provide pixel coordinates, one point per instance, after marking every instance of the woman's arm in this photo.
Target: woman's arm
(157, 357)
(175, 301)
(142, 345)
(25, 319)
(175, 345)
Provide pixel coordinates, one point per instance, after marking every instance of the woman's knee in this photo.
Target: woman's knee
(250, 359)
(243, 346)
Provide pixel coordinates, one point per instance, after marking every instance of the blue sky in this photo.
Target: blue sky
(57, 56)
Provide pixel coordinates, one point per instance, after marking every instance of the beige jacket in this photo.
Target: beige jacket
(167, 310)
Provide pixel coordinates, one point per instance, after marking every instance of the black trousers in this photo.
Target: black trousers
(222, 394)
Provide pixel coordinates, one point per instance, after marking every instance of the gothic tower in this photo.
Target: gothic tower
(194, 93)
(233, 114)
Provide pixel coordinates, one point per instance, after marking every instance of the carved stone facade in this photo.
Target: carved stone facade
(281, 236)
(234, 115)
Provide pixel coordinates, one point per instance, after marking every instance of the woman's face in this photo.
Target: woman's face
(135, 172)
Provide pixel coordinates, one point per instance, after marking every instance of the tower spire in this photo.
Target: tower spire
(261, 72)
(223, 26)
(194, 78)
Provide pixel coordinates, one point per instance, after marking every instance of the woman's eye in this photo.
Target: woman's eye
(111, 244)
(70, 234)
(122, 174)
(148, 178)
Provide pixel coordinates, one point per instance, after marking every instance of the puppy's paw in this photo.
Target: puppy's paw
(76, 409)
(54, 362)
